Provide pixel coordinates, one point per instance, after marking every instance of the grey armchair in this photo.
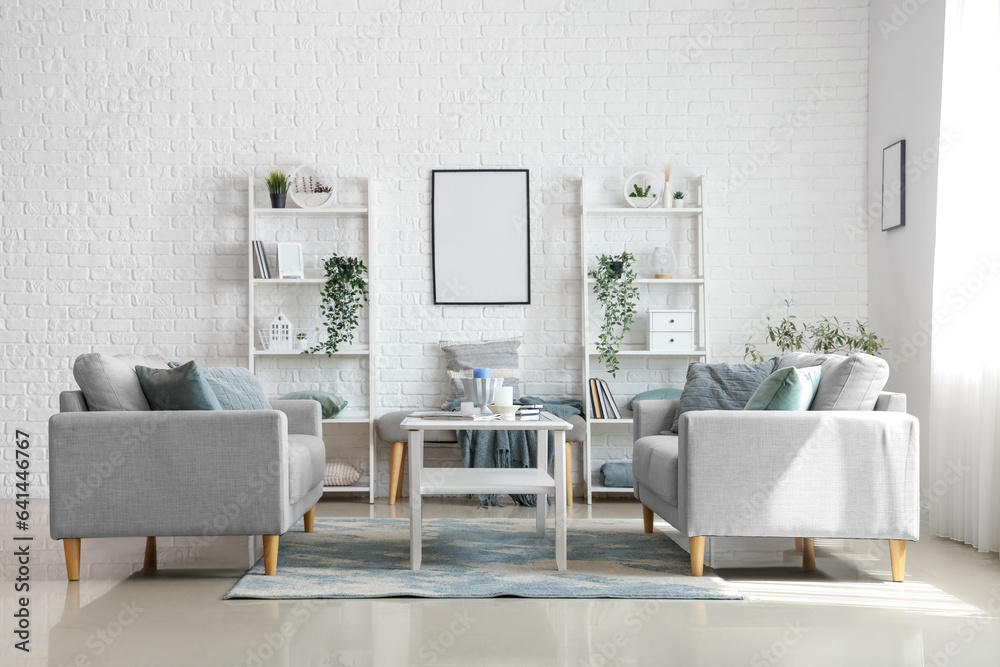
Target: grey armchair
(148, 473)
(827, 474)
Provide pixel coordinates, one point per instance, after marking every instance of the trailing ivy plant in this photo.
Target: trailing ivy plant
(343, 294)
(828, 336)
(618, 295)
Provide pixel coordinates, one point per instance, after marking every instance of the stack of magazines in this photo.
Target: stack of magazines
(530, 412)
(458, 416)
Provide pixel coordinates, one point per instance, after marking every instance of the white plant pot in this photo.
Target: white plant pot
(677, 203)
(313, 200)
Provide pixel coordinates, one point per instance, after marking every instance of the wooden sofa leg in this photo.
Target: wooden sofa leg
(270, 554)
(897, 554)
(697, 545)
(396, 471)
(808, 554)
(310, 519)
(569, 474)
(647, 519)
(798, 544)
(71, 548)
(149, 561)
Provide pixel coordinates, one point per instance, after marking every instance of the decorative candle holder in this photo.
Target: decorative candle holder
(481, 391)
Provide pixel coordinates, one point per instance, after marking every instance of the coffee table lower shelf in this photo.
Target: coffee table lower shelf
(444, 481)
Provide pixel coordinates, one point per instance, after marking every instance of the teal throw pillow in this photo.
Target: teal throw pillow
(786, 389)
(180, 388)
(655, 395)
(330, 403)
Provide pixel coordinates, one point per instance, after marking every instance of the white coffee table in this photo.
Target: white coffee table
(452, 481)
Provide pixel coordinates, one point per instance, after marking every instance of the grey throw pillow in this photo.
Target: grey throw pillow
(846, 383)
(500, 356)
(179, 388)
(236, 388)
(721, 386)
(109, 383)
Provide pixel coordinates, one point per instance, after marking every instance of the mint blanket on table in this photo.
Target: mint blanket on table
(511, 449)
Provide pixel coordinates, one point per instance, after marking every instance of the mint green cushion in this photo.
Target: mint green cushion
(786, 389)
(180, 388)
(655, 395)
(329, 403)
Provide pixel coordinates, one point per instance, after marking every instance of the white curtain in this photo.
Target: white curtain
(963, 494)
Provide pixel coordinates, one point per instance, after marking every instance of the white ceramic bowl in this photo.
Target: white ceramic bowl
(506, 412)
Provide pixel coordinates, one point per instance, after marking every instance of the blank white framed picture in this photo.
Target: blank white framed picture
(290, 261)
(894, 185)
(481, 236)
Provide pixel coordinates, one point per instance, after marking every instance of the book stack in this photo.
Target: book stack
(263, 271)
(602, 402)
(530, 412)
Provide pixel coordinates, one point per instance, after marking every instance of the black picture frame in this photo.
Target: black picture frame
(481, 237)
(893, 171)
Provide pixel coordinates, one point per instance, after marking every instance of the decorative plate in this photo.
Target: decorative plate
(646, 182)
(312, 186)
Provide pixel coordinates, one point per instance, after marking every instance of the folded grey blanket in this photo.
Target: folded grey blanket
(510, 449)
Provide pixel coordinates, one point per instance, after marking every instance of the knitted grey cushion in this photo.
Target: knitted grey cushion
(721, 386)
(500, 356)
(236, 388)
(846, 383)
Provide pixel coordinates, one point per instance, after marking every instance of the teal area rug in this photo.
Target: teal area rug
(478, 558)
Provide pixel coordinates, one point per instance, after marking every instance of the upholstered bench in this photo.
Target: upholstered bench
(388, 429)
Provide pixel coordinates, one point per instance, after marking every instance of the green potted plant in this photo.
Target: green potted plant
(302, 340)
(616, 292)
(678, 199)
(344, 292)
(277, 187)
(641, 196)
(828, 336)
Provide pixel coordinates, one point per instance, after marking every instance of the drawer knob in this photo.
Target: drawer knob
(672, 321)
(671, 340)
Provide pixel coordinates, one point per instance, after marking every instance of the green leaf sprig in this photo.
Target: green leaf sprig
(344, 292)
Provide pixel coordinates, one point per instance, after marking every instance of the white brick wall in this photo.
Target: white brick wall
(127, 132)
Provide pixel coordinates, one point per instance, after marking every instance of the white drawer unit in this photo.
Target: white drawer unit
(671, 340)
(671, 330)
(671, 320)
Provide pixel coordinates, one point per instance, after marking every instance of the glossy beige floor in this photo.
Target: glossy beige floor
(845, 614)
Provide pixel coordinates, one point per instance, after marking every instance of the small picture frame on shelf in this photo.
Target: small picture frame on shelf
(265, 339)
(290, 261)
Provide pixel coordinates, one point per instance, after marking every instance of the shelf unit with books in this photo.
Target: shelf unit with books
(608, 227)
(352, 225)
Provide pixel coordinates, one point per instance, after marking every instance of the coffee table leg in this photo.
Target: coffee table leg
(541, 501)
(416, 451)
(559, 446)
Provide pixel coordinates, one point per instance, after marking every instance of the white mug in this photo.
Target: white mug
(468, 407)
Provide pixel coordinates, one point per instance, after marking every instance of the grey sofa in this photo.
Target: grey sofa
(124, 473)
(826, 474)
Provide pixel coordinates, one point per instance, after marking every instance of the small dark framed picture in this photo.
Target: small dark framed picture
(894, 185)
